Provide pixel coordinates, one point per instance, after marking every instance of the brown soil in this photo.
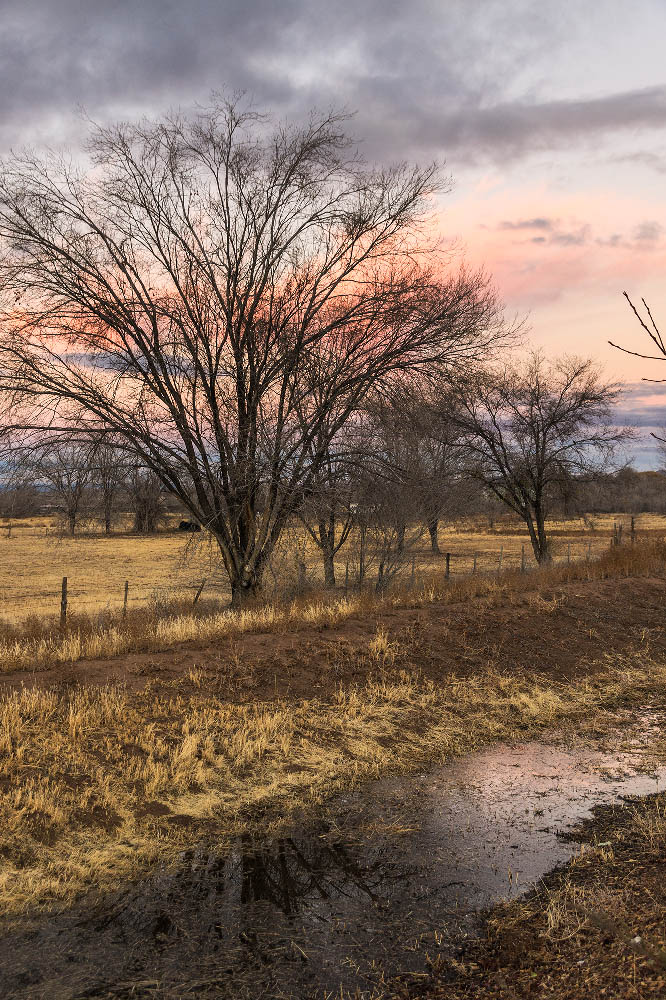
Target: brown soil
(561, 631)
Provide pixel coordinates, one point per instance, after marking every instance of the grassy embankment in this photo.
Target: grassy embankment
(32, 565)
(97, 783)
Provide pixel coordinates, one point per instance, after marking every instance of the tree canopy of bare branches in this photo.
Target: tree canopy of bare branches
(221, 294)
(531, 426)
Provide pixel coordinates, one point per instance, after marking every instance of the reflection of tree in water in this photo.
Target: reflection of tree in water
(293, 872)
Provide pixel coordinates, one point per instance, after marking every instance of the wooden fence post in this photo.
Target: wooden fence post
(447, 571)
(361, 561)
(125, 599)
(63, 603)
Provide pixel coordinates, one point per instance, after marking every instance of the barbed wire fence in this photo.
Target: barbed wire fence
(211, 585)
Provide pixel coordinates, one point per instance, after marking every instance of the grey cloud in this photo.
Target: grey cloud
(654, 161)
(639, 390)
(648, 416)
(556, 234)
(614, 241)
(516, 128)
(576, 238)
(538, 223)
(648, 232)
(426, 81)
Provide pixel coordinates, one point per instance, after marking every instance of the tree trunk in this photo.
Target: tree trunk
(401, 538)
(536, 525)
(246, 582)
(107, 517)
(361, 556)
(433, 525)
(244, 591)
(329, 568)
(71, 517)
(326, 543)
(544, 547)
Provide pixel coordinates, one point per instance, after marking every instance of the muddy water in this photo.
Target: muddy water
(395, 876)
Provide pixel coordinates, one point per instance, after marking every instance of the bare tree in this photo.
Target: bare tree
(193, 289)
(386, 504)
(532, 425)
(146, 497)
(328, 508)
(18, 492)
(65, 473)
(433, 467)
(110, 478)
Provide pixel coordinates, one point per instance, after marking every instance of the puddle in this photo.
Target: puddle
(397, 876)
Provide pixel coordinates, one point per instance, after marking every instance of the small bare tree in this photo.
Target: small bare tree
(19, 496)
(386, 505)
(532, 425)
(65, 472)
(222, 294)
(328, 509)
(110, 479)
(146, 499)
(432, 463)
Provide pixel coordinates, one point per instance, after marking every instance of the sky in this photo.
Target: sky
(548, 115)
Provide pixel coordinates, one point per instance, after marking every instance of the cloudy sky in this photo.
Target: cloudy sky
(550, 116)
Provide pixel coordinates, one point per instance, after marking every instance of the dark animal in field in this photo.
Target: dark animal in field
(189, 526)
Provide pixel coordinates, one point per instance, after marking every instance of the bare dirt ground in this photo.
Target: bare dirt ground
(563, 631)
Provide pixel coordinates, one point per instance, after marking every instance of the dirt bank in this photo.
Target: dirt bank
(563, 631)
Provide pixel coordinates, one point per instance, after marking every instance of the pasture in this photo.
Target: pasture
(168, 568)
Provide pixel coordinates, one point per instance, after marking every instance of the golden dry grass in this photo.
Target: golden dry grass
(91, 639)
(169, 567)
(97, 784)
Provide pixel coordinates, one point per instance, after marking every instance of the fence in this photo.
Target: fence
(457, 563)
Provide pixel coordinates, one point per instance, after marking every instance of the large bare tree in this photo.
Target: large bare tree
(222, 293)
(533, 425)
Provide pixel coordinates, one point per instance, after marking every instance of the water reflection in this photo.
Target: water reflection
(398, 873)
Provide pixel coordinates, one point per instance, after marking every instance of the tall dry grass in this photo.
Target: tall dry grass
(167, 568)
(163, 626)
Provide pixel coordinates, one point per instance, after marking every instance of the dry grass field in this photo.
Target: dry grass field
(169, 567)
(110, 766)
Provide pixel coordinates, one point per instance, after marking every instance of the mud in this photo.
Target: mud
(396, 875)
